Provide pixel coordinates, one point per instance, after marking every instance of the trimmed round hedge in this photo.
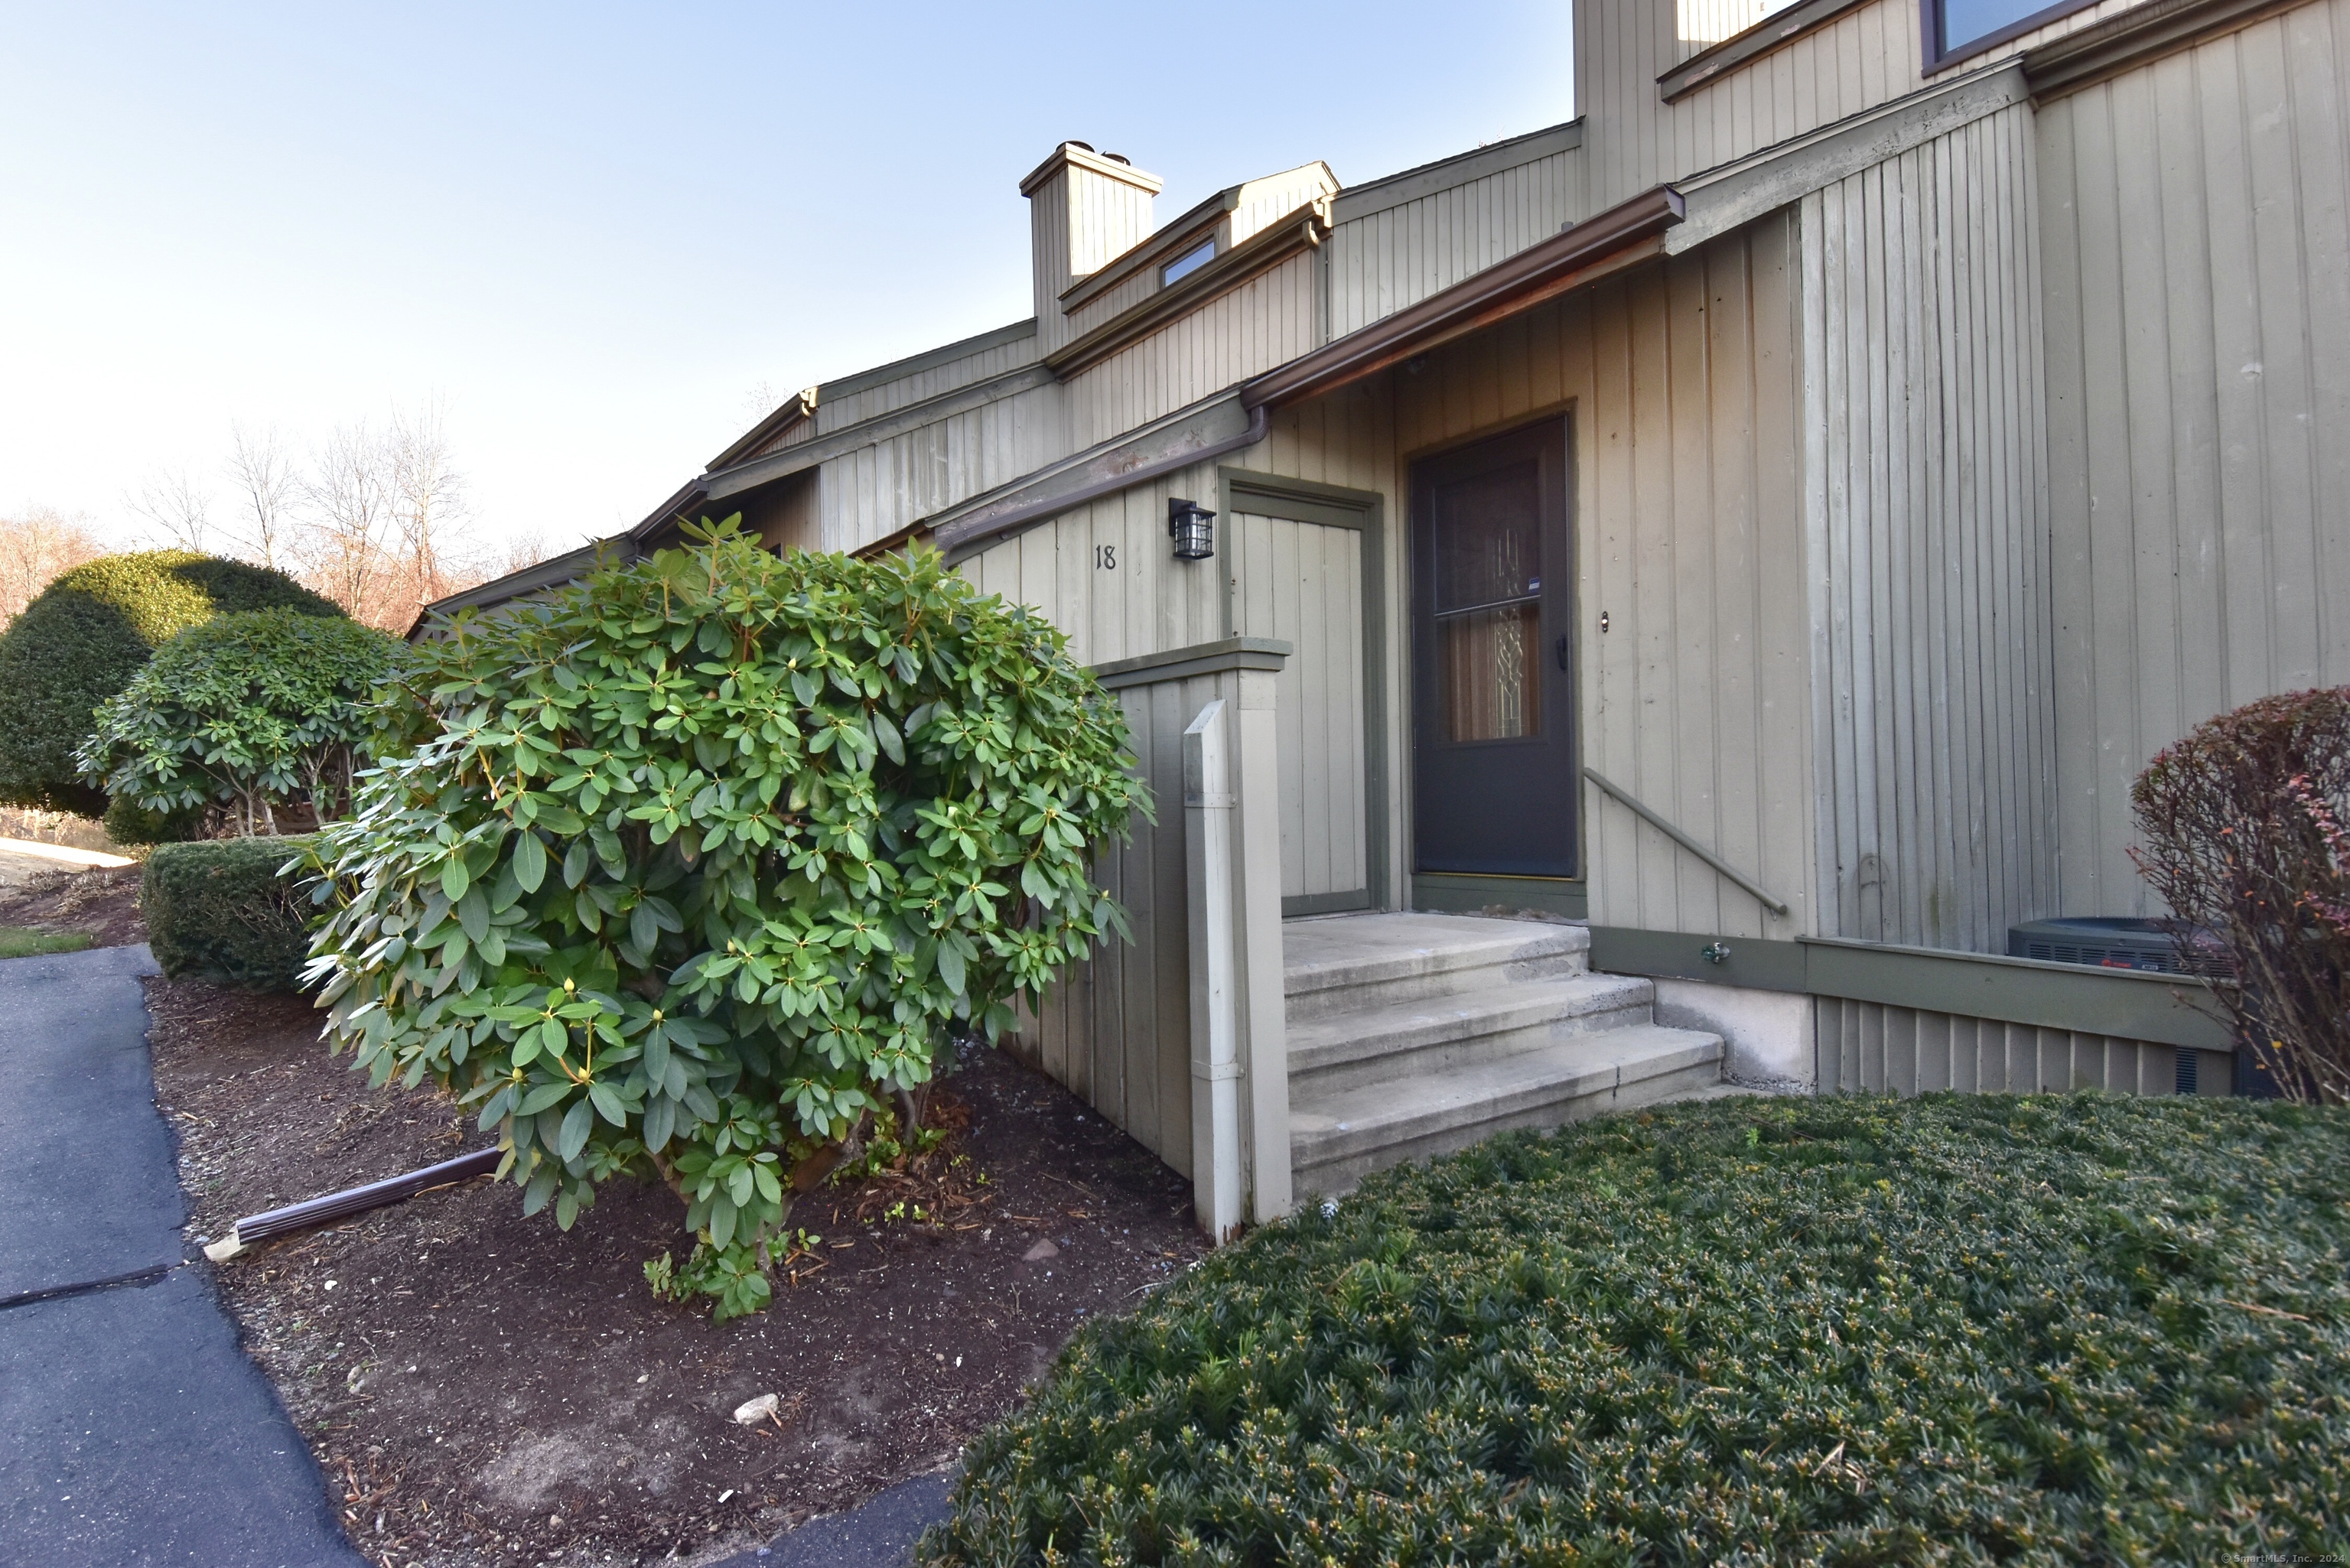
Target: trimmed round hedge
(1952, 1329)
(83, 639)
(229, 909)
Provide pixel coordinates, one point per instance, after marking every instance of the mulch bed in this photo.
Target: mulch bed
(483, 1388)
(102, 901)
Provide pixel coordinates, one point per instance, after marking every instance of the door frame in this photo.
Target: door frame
(1471, 892)
(1291, 500)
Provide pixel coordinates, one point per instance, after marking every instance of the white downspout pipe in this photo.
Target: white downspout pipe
(1216, 1181)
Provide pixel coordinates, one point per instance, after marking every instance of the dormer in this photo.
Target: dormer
(1217, 245)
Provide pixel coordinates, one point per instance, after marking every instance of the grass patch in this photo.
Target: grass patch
(1957, 1329)
(28, 942)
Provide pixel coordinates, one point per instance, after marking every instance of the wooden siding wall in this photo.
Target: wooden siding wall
(1870, 1047)
(1048, 259)
(1267, 321)
(1868, 56)
(2198, 256)
(786, 517)
(871, 493)
(835, 410)
(1682, 378)
(1148, 602)
(1275, 197)
(1928, 516)
(1699, 25)
(1112, 301)
(1117, 1029)
(874, 393)
(1380, 263)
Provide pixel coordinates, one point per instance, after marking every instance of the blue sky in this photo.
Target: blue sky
(593, 231)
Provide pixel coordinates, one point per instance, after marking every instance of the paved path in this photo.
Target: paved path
(22, 860)
(879, 1534)
(132, 1429)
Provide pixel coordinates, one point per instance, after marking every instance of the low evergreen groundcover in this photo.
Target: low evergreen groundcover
(1962, 1329)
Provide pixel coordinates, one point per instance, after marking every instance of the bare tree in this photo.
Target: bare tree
(35, 547)
(346, 552)
(520, 552)
(172, 500)
(428, 496)
(268, 488)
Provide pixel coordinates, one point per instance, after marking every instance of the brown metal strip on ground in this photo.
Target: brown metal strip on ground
(353, 1200)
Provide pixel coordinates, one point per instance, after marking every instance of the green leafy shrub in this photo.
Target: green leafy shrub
(247, 713)
(130, 824)
(1962, 1329)
(229, 909)
(83, 639)
(698, 862)
(2243, 837)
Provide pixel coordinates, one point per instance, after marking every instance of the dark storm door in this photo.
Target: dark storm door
(1493, 644)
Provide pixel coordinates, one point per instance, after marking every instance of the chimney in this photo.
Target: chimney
(1085, 209)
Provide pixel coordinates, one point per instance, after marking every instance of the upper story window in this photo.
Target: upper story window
(1958, 28)
(1186, 264)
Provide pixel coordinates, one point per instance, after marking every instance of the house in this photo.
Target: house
(1769, 519)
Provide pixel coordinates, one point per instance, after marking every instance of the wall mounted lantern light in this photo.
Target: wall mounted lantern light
(1193, 528)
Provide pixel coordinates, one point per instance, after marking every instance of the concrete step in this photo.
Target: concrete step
(1355, 962)
(1412, 1039)
(1336, 1140)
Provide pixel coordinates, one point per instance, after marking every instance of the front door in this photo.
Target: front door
(1495, 774)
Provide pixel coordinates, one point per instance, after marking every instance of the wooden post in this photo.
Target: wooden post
(1209, 844)
(1261, 1004)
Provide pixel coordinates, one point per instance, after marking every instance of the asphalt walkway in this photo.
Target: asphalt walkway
(132, 1429)
(879, 1533)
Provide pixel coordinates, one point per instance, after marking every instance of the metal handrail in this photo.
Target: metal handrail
(1686, 842)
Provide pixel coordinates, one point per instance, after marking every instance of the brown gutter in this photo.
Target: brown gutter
(961, 536)
(2138, 37)
(1629, 232)
(670, 511)
(1108, 473)
(557, 570)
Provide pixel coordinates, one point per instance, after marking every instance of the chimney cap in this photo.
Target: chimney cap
(1078, 155)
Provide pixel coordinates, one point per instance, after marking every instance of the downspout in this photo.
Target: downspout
(317, 1211)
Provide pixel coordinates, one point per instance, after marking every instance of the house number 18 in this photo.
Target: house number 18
(1106, 558)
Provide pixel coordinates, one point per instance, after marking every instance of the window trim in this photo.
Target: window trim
(1929, 32)
(1168, 277)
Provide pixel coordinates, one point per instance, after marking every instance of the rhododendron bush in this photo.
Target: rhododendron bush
(692, 869)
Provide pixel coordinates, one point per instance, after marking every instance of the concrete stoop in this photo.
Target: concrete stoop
(1413, 1035)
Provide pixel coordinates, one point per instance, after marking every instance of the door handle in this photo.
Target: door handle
(1561, 653)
